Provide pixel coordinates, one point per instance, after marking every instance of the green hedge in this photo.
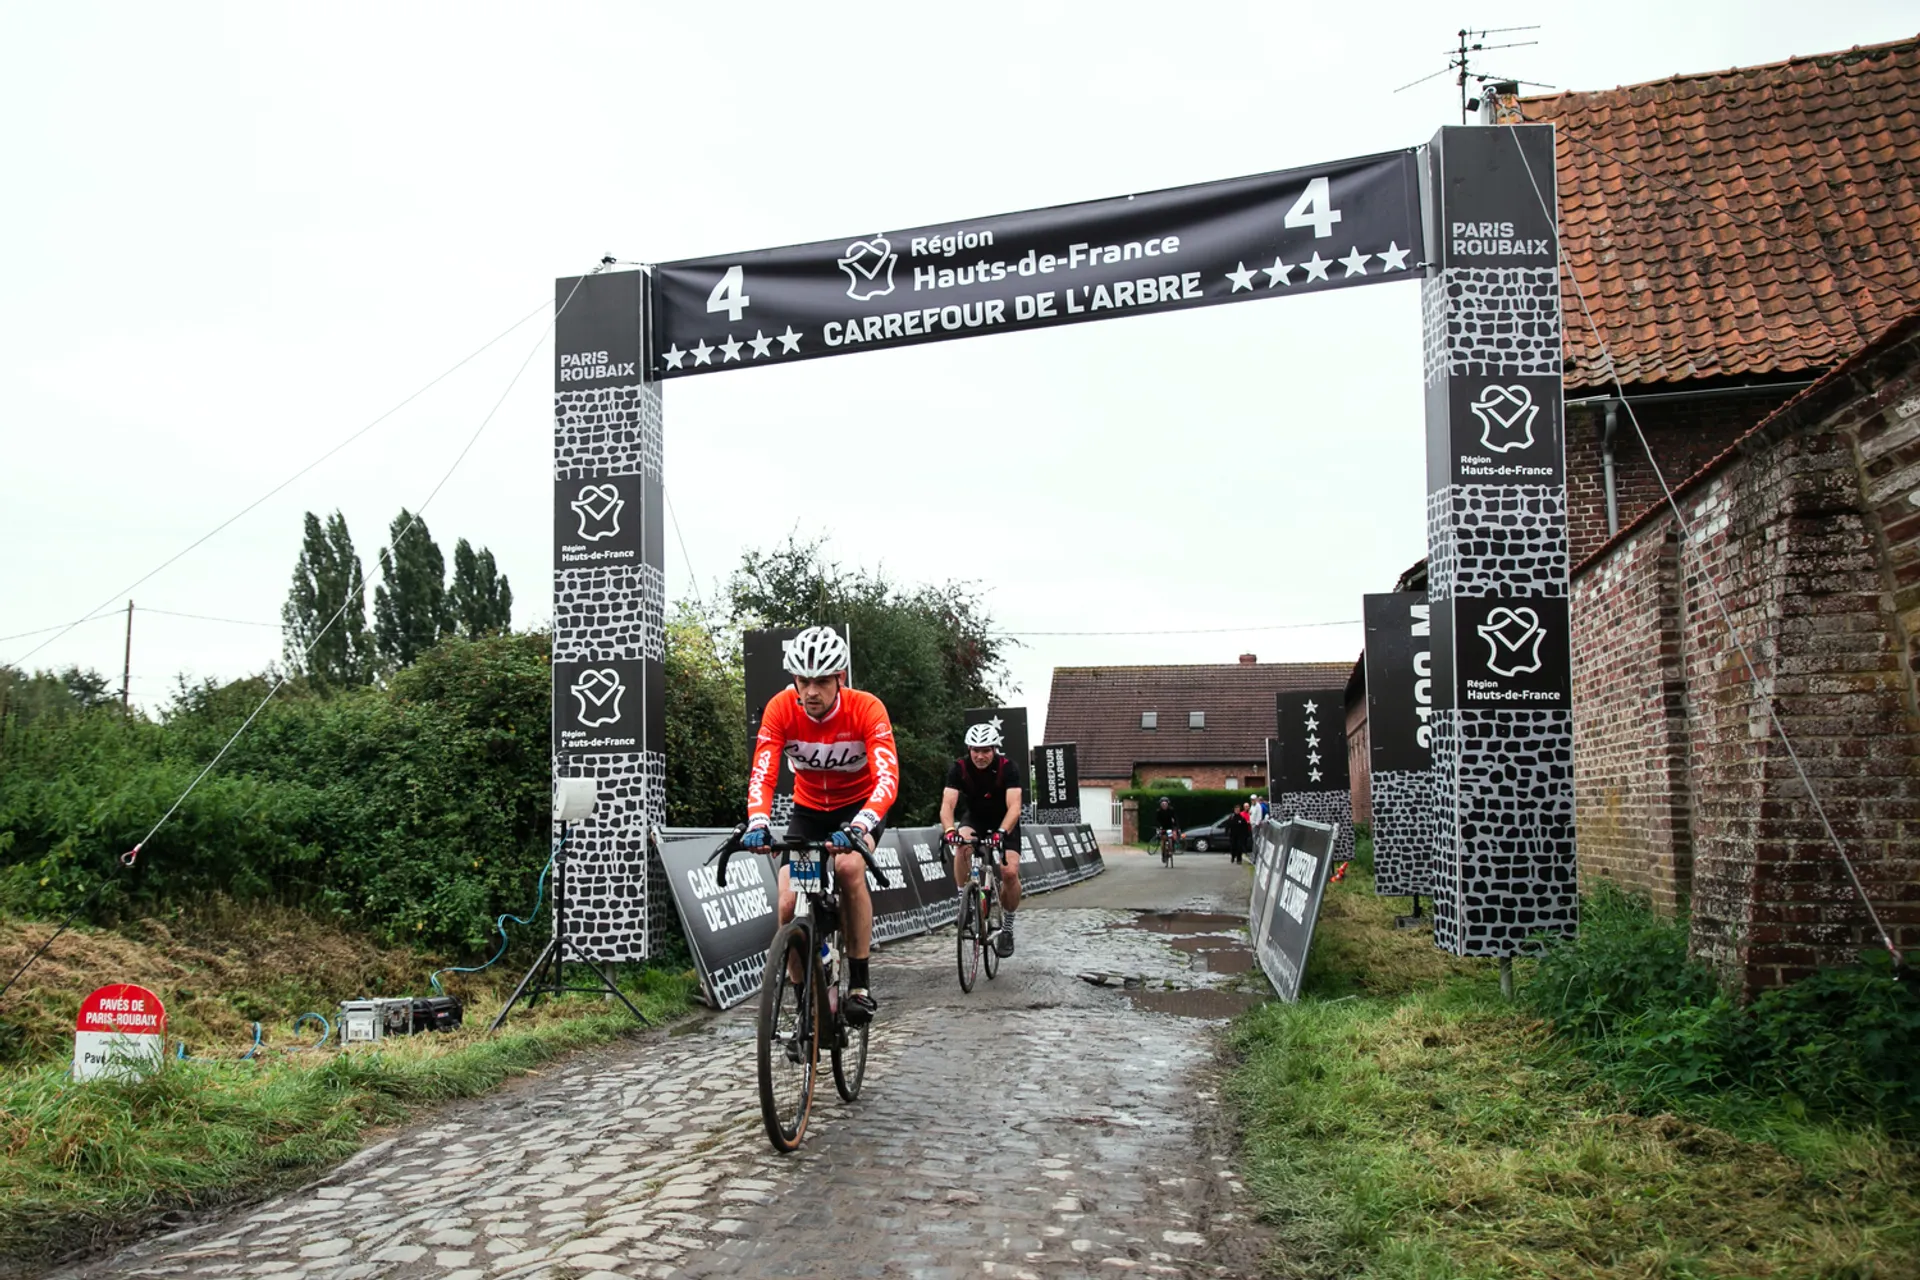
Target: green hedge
(1192, 808)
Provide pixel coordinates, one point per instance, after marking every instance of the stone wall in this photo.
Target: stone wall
(1809, 528)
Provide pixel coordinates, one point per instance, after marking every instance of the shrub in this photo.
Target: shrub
(1844, 1042)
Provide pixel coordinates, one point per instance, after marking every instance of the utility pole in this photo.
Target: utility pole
(126, 669)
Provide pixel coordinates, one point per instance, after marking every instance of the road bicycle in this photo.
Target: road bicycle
(801, 1014)
(981, 915)
(1168, 839)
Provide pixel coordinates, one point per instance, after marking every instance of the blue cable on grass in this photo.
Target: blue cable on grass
(500, 922)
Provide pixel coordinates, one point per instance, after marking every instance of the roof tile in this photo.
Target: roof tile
(1799, 235)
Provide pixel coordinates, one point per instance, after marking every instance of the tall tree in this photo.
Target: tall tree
(480, 600)
(410, 611)
(332, 652)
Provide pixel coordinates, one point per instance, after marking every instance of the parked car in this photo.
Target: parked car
(1212, 837)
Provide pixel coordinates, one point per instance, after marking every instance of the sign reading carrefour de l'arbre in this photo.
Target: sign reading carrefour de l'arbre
(1351, 222)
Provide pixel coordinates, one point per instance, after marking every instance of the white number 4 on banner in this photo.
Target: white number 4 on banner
(727, 295)
(1313, 209)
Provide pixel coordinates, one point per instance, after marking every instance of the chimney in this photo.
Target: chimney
(1248, 659)
(1500, 103)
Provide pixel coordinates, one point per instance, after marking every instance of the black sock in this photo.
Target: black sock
(856, 971)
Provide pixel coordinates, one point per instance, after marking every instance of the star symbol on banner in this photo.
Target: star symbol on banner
(1242, 279)
(732, 347)
(703, 354)
(1312, 723)
(996, 722)
(1355, 262)
(674, 356)
(1394, 258)
(1313, 757)
(1278, 273)
(1314, 774)
(762, 345)
(1316, 267)
(789, 341)
(1312, 706)
(1313, 740)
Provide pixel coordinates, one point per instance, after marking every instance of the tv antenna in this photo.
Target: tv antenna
(1460, 57)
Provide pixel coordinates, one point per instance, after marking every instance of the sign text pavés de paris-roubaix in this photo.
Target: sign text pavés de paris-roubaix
(119, 1032)
(1329, 226)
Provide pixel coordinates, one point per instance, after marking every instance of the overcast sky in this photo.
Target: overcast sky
(234, 236)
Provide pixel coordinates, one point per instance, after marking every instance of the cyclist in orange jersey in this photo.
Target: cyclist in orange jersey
(846, 773)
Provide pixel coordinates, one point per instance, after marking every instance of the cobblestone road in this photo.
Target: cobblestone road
(1048, 1125)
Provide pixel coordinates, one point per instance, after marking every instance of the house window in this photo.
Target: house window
(1233, 784)
(1196, 719)
(1149, 719)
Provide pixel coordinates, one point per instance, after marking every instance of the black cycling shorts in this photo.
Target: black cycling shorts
(818, 824)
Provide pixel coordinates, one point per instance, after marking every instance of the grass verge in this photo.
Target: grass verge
(1403, 1120)
(83, 1165)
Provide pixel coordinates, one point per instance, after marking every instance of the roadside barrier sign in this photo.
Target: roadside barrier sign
(1294, 870)
(728, 929)
(120, 1034)
(896, 908)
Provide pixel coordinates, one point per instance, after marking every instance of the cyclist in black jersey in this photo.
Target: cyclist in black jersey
(988, 784)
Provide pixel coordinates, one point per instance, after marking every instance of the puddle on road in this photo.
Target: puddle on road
(1216, 948)
(1197, 1002)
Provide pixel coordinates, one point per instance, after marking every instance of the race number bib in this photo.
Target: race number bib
(803, 871)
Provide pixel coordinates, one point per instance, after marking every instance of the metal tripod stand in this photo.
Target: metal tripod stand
(548, 974)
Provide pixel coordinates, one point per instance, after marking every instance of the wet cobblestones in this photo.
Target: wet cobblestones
(1042, 1127)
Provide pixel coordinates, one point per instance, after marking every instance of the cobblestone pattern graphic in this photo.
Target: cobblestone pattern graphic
(1512, 873)
(615, 897)
(616, 612)
(647, 1161)
(1403, 804)
(1064, 816)
(1335, 808)
(610, 431)
(1489, 540)
(1483, 322)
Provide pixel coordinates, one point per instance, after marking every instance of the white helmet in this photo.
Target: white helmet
(983, 735)
(815, 652)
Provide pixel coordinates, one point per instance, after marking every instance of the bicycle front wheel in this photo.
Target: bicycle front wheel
(789, 1041)
(991, 920)
(968, 939)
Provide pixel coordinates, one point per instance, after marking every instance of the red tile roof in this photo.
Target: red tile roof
(1099, 708)
(1743, 223)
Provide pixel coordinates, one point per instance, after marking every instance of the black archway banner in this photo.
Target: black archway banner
(1350, 222)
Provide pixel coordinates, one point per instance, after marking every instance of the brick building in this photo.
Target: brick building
(1205, 724)
(1748, 244)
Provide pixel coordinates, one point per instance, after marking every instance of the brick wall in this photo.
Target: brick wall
(1205, 776)
(1684, 787)
(1685, 436)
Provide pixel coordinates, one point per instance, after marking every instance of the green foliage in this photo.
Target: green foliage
(410, 611)
(1405, 1121)
(928, 652)
(26, 698)
(480, 601)
(419, 811)
(331, 652)
(1845, 1042)
(706, 726)
(1190, 808)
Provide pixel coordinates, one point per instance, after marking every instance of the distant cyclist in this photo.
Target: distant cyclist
(846, 773)
(989, 785)
(1164, 821)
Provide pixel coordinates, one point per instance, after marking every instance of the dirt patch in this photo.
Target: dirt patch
(1198, 1002)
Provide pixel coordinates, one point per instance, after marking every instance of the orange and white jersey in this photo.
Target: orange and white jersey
(846, 758)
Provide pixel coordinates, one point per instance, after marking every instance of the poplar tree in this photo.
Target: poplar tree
(480, 600)
(410, 611)
(331, 652)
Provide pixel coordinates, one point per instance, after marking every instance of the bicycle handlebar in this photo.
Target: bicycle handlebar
(732, 845)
